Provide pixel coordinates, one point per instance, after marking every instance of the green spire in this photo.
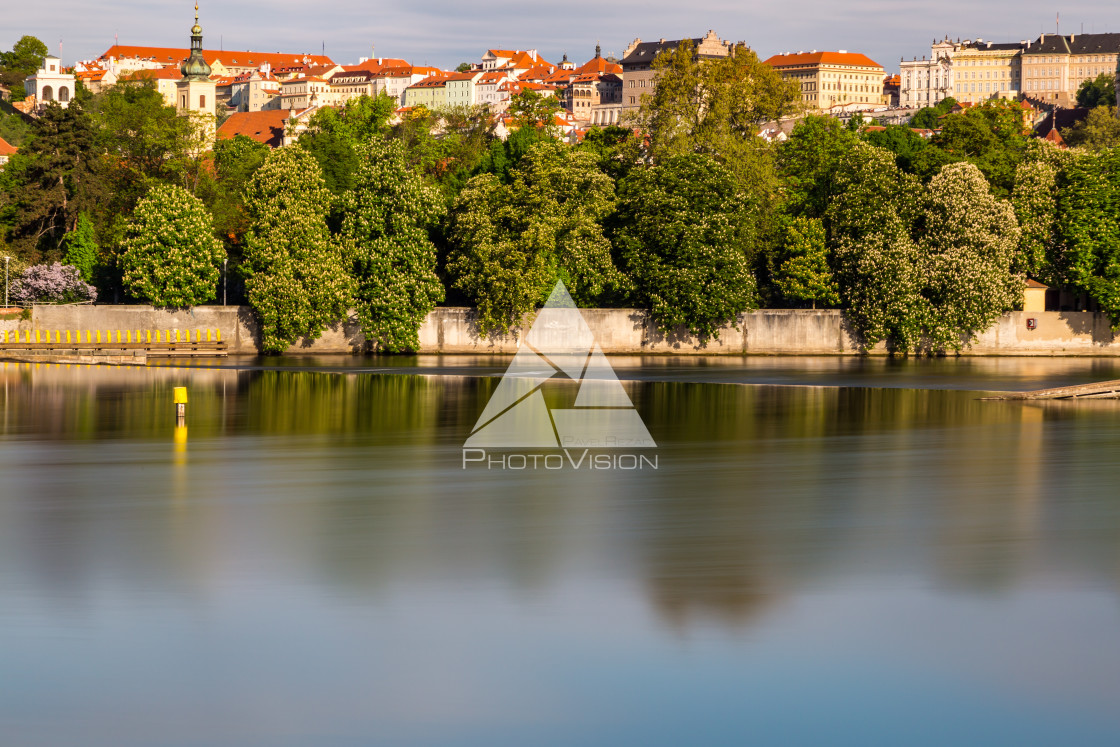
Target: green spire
(195, 67)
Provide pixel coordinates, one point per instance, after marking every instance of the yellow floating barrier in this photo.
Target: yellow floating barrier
(219, 333)
(99, 336)
(149, 337)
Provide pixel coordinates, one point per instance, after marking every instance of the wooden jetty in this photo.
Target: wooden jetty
(1097, 390)
(118, 347)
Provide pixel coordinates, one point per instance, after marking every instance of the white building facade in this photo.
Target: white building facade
(50, 83)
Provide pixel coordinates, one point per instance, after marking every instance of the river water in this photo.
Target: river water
(829, 552)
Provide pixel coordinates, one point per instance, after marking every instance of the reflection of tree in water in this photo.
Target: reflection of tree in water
(696, 579)
(788, 486)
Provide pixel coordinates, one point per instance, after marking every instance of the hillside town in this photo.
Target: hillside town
(271, 96)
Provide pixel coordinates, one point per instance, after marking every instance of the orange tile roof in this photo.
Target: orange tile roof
(6, 148)
(377, 63)
(304, 79)
(464, 76)
(90, 74)
(599, 65)
(539, 72)
(238, 59)
(265, 126)
(171, 72)
(432, 81)
(823, 58)
(561, 78)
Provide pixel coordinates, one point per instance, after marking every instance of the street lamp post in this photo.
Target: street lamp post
(6, 281)
(225, 280)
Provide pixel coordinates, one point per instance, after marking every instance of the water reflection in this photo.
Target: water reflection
(775, 508)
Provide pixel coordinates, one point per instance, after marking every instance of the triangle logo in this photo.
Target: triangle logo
(559, 345)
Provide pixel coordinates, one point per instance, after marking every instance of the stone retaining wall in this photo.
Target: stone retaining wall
(618, 331)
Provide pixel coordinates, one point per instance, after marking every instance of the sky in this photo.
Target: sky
(445, 33)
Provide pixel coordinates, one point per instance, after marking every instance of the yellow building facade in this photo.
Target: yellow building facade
(832, 79)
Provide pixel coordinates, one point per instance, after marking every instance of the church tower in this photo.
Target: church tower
(196, 93)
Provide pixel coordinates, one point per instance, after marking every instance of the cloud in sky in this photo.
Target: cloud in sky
(444, 33)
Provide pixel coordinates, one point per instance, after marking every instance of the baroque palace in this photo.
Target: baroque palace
(1048, 70)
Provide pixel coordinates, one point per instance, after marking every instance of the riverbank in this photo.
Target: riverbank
(453, 331)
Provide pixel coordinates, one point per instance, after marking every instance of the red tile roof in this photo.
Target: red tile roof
(823, 58)
(265, 126)
(238, 59)
(6, 149)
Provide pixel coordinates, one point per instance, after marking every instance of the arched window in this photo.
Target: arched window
(48, 93)
(63, 94)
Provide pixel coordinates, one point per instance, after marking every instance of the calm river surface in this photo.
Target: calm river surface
(872, 556)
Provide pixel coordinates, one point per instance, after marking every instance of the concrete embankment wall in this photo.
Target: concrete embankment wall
(619, 331)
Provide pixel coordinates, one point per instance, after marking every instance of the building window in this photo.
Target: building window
(202, 102)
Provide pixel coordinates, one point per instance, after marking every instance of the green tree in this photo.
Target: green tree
(808, 161)
(900, 140)
(504, 156)
(81, 250)
(236, 159)
(446, 145)
(296, 281)
(147, 140)
(877, 261)
(1100, 91)
(463, 67)
(385, 236)
(615, 148)
(800, 268)
(530, 108)
(1035, 201)
(170, 256)
(24, 58)
(510, 243)
(928, 118)
(684, 238)
(1089, 226)
(1098, 131)
(990, 136)
(333, 136)
(14, 129)
(968, 246)
(716, 107)
(58, 175)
